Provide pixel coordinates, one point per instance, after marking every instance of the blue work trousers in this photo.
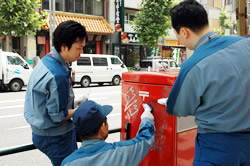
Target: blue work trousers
(56, 147)
(222, 149)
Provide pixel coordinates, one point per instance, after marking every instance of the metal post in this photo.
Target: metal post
(54, 15)
(27, 147)
(50, 26)
(241, 15)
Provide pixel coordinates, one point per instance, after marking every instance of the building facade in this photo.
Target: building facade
(90, 13)
(107, 23)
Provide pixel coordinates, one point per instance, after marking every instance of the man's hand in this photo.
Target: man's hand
(80, 100)
(147, 112)
(163, 101)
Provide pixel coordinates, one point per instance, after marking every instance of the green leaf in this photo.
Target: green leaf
(15, 13)
(152, 21)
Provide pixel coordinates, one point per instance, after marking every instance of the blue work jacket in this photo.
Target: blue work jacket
(49, 95)
(97, 152)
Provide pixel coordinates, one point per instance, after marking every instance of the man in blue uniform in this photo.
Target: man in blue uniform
(214, 86)
(49, 102)
(91, 124)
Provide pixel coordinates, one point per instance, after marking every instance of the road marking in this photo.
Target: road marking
(11, 116)
(16, 128)
(11, 101)
(9, 107)
(21, 106)
(25, 127)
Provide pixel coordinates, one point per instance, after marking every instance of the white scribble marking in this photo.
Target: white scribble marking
(143, 94)
(131, 107)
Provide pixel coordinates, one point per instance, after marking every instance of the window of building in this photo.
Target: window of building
(69, 6)
(91, 7)
(94, 7)
(45, 4)
(59, 5)
(98, 7)
(129, 15)
(100, 61)
(16, 44)
(79, 6)
(229, 2)
(248, 7)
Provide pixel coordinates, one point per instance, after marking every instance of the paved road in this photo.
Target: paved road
(15, 131)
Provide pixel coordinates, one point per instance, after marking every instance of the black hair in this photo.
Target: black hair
(67, 33)
(189, 14)
(92, 133)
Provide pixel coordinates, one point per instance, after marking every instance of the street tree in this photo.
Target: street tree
(224, 21)
(20, 18)
(152, 21)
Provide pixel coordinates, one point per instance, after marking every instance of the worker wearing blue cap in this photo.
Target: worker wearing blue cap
(91, 124)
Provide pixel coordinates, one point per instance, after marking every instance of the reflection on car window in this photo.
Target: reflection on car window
(115, 61)
(173, 64)
(84, 61)
(146, 64)
(14, 60)
(100, 61)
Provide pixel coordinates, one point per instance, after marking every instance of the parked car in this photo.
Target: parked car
(158, 65)
(97, 68)
(14, 71)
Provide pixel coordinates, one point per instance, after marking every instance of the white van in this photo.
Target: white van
(14, 71)
(97, 68)
(158, 64)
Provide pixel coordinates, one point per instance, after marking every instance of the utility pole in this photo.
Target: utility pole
(51, 21)
(241, 16)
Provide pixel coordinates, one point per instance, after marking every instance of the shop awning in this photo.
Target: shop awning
(93, 24)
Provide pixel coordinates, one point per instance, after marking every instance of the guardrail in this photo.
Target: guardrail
(27, 147)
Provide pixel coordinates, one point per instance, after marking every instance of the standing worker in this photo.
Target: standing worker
(49, 102)
(92, 126)
(213, 85)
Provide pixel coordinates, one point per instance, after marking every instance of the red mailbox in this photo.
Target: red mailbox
(174, 137)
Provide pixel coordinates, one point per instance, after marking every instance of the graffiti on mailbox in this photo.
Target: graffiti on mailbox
(131, 106)
(161, 117)
(160, 133)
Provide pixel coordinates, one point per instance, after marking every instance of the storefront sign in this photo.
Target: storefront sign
(173, 43)
(176, 54)
(119, 21)
(127, 37)
(154, 51)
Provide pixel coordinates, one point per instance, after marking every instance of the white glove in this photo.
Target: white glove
(163, 101)
(80, 100)
(147, 112)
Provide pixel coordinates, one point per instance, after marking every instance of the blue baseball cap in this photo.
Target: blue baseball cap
(89, 115)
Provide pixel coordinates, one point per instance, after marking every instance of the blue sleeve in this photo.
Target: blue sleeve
(56, 100)
(137, 148)
(190, 94)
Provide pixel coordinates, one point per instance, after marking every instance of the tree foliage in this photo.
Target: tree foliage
(152, 21)
(224, 21)
(20, 17)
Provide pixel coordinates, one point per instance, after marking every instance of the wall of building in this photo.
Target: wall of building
(132, 3)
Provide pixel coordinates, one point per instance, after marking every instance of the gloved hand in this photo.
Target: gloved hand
(147, 112)
(163, 101)
(80, 100)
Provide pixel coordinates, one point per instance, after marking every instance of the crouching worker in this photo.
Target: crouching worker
(91, 124)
